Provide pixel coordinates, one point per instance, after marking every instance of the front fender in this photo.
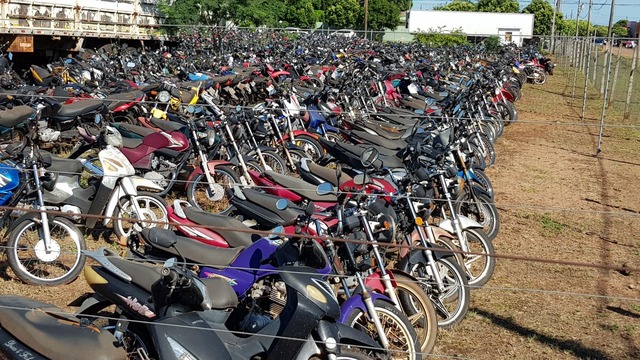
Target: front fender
(31, 216)
(355, 303)
(351, 336)
(477, 190)
(211, 166)
(465, 223)
(142, 183)
(374, 283)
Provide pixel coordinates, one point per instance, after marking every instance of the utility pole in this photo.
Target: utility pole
(606, 88)
(556, 8)
(366, 17)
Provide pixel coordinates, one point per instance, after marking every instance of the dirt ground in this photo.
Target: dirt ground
(557, 201)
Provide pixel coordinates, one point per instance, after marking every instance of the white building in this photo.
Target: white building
(510, 27)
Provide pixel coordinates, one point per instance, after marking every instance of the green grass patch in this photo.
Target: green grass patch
(551, 227)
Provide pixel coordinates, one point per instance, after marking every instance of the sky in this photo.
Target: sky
(624, 9)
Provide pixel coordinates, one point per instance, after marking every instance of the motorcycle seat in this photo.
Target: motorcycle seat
(380, 141)
(299, 187)
(12, 117)
(134, 130)
(230, 234)
(114, 100)
(80, 107)
(192, 250)
(268, 201)
(384, 161)
(166, 126)
(65, 166)
(131, 143)
(326, 174)
(401, 119)
(414, 103)
(47, 330)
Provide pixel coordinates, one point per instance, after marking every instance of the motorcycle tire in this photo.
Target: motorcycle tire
(479, 268)
(483, 181)
(507, 112)
(275, 162)
(153, 208)
(197, 191)
(489, 152)
(67, 242)
(419, 309)
(311, 146)
(403, 341)
(487, 215)
(452, 304)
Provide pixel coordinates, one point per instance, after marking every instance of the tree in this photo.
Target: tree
(620, 28)
(342, 13)
(300, 13)
(383, 14)
(499, 6)
(458, 5)
(543, 12)
(437, 37)
(180, 12)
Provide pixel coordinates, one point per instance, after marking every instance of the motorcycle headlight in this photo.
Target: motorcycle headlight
(164, 96)
(211, 136)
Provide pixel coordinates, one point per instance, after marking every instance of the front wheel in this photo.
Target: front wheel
(311, 146)
(33, 264)
(153, 213)
(217, 201)
(483, 211)
(419, 309)
(403, 342)
(452, 300)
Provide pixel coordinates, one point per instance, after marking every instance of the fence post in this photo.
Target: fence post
(586, 81)
(615, 75)
(631, 76)
(576, 66)
(607, 59)
(595, 60)
(566, 65)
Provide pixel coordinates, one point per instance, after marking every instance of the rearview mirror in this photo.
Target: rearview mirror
(170, 263)
(282, 204)
(276, 232)
(325, 189)
(310, 209)
(369, 156)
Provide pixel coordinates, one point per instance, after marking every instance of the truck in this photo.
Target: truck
(59, 25)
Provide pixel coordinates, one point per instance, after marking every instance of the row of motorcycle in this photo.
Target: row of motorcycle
(346, 215)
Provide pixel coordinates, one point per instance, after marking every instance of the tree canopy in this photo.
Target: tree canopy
(543, 20)
(457, 5)
(500, 6)
(284, 13)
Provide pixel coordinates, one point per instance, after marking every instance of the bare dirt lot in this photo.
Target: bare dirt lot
(557, 201)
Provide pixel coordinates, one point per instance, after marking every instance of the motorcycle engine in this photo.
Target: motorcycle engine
(268, 300)
(156, 178)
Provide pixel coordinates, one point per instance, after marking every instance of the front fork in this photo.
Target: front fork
(46, 232)
(366, 298)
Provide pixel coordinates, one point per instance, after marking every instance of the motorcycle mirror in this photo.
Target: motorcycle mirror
(310, 209)
(276, 231)
(369, 156)
(325, 189)
(191, 109)
(282, 204)
(170, 263)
